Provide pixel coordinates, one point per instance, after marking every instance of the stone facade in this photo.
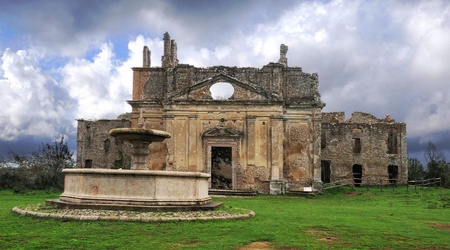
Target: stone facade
(97, 149)
(265, 137)
(363, 149)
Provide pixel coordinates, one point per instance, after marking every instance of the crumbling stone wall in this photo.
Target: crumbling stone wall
(97, 149)
(364, 140)
(274, 113)
(273, 82)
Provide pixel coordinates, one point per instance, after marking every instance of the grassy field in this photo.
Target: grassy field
(359, 219)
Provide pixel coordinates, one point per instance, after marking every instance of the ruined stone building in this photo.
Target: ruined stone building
(363, 148)
(269, 133)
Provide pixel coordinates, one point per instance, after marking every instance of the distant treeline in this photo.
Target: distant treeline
(437, 167)
(39, 170)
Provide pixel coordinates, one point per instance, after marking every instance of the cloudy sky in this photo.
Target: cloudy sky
(63, 59)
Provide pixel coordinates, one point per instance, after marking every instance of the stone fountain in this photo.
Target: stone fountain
(137, 188)
(140, 138)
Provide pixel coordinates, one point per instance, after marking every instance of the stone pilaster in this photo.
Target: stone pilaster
(277, 184)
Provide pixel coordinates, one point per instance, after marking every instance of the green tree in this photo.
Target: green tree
(415, 169)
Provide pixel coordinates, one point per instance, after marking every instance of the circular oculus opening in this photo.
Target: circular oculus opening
(221, 90)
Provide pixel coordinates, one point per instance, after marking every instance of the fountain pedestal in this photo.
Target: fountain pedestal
(139, 155)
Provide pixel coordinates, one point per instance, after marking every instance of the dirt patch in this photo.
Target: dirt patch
(328, 239)
(192, 243)
(352, 193)
(260, 245)
(314, 231)
(441, 226)
(324, 235)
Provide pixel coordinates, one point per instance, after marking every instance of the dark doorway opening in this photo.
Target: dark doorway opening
(357, 174)
(325, 171)
(393, 173)
(221, 168)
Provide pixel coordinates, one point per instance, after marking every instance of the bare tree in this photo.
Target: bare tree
(432, 154)
(436, 166)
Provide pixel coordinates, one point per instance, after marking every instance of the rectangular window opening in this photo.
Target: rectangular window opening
(356, 145)
(88, 164)
(392, 143)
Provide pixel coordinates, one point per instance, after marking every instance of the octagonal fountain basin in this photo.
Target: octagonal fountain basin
(135, 190)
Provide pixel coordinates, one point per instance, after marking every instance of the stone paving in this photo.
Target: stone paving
(114, 215)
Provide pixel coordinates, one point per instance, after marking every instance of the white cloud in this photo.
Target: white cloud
(88, 82)
(429, 31)
(102, 86)
(39, 106)
(426, 28)
(29, 100)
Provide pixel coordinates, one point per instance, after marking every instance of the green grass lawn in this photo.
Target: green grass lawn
(360, 219)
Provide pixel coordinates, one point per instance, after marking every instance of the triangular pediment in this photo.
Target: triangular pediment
(242, 90)
(221, 132)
